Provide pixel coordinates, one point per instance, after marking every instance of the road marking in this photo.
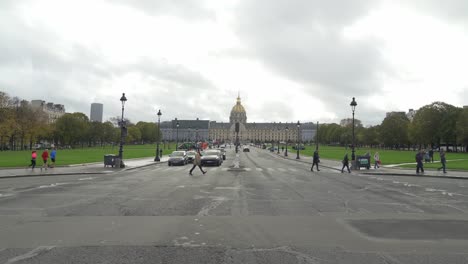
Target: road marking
(248, 169)
(225, 169)
(30, 254)
(259, 169)
(270, 169)
(281, 169)
(85, 179)
(214, 203)
(292, 169)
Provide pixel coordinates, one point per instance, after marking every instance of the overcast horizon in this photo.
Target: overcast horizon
(290, 60)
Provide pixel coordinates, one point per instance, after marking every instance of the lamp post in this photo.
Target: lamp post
(177, 135)
(278, 140)
(157, 140)
(287, 132)
(353, 108)
(123, 99)
(316, 137)
(297, 146)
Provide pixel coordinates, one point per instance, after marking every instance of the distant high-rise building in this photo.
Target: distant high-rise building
(96, 112)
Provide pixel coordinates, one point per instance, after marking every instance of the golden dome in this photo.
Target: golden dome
(238, 108)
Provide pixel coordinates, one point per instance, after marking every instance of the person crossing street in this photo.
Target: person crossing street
(197, 162)
(315, 160)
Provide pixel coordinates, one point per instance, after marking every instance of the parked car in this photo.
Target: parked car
(211, 157)
(177, 158)
(223, 153)
(246, 149)
(191, 156)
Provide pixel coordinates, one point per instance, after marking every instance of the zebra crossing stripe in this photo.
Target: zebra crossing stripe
(248, 169)
(224, 169)
(292, 169)
(281, 169)
(259, 169)
(270, 169)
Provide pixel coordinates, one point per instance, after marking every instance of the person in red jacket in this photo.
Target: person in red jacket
(45, 157)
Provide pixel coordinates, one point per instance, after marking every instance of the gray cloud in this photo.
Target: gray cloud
(302, 41)
(454, 10)
(187, 9)
(36, 64)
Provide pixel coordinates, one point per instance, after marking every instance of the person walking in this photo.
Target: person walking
(442, 160)
(376, 160)
(197, 162)
(45, 157)
(315, 160)
(53, 154)
(431, 155)
(419, 161)
(345, 163)
(33, 159)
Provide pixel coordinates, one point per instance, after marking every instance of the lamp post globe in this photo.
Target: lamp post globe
(287, 133)
(157, 158)
(123, 100)
(353, 105)
(297, 146)
(177, 135)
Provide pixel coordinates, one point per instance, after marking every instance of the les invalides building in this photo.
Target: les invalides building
(206, 130)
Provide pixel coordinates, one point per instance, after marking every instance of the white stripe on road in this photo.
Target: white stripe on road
(292, 169)
(224, 169)
(248, 169)
(281, 169)
(259, 169)
(270, 169)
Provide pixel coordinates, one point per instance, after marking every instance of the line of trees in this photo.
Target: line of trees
(433, 125)
(22, 126)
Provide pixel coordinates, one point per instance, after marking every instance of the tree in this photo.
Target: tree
(426, 127)
(133, 135)
(394, 130)
(462, 128)
(72, 128)
(148, 132)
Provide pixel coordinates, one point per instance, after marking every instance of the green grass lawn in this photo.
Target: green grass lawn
(84, 155)
(386, 156)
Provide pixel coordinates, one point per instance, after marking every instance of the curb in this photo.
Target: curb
(283, 157)
(54, 174)
(415, 175)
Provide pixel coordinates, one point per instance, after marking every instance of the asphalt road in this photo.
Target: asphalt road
(272, 211)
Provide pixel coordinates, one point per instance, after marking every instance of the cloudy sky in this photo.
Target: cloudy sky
(290, 59)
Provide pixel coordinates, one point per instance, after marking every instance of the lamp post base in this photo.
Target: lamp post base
(157, 158)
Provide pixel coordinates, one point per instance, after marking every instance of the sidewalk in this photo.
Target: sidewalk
(79, 169)
(382, 171)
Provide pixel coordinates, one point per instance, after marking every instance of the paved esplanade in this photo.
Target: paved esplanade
(275, 211)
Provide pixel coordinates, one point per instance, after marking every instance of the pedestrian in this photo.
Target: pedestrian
(33, 159)
(345, 163)
(419, 161)
(431, 155)
(197, 162)
(282, 149)
(427, 158)
(376, 160)
(315, 160)
(442, 160)
(45, 157)
(53, 154)
(160, 152)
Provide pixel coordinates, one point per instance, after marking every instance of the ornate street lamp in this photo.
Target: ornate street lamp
(287, 132)
(177, 135)
(157, 140)
(123, 99)
(353, 108)
(297, 146)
